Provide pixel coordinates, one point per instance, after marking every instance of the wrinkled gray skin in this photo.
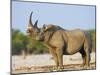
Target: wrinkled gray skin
(63, 42)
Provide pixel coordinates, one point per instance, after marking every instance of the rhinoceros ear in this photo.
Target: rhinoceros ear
(45, 27)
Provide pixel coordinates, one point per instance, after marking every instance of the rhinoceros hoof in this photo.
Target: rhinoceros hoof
(86, 67)
(55, 69)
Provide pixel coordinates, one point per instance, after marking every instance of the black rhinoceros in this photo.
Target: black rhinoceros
(60, 41)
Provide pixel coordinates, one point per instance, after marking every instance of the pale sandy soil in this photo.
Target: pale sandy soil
(43, 63)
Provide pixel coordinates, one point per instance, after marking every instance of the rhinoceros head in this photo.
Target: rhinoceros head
(32, 29)
(41, 35)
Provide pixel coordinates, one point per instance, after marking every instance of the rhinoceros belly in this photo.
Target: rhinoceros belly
(75, 40)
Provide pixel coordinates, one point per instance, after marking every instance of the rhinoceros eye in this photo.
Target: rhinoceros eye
(29, 31)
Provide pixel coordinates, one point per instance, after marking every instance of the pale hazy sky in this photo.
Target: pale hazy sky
(65, 15)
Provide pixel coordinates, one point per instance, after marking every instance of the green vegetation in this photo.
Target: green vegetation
(21, 42)
(93, 38)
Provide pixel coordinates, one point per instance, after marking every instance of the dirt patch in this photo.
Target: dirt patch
(44, 63)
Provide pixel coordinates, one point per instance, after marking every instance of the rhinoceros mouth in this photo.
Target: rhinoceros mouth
(39, 39)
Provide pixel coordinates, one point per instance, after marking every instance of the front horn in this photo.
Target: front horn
(30, 20)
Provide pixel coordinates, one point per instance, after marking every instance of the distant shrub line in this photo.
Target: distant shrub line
(21, 43)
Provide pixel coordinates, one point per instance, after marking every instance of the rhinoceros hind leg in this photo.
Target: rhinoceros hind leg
(86, 58)
(83, 54)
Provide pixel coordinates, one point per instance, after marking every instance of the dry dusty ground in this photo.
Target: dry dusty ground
(43, 63)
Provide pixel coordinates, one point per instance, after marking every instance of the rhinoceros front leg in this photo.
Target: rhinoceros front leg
(54, 55)
(59, 53)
